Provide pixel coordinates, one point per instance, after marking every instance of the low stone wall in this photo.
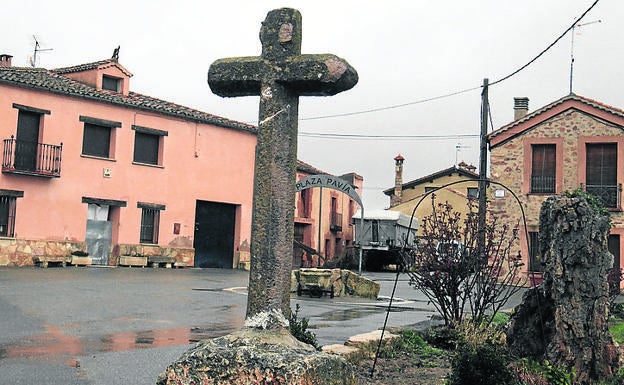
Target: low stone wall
(23, 252)
(183, 256)
(344, 282)
(16, 252)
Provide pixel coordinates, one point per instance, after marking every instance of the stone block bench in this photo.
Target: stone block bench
(160, 261)
(80, 260)
(131, 260)
(45, 260)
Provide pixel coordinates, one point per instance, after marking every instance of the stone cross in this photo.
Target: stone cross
(279, 76)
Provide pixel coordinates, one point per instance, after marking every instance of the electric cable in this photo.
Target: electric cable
(576, 21)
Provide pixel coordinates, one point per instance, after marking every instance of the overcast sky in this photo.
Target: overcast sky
(404, 52)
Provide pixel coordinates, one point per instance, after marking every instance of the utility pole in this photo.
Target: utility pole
(483, 169)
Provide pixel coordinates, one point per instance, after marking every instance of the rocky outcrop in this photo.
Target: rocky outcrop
(565, 319)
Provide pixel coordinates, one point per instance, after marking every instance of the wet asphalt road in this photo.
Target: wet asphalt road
(105, 326)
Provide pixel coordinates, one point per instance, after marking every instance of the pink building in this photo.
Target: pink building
(89, 165)
(324, 233)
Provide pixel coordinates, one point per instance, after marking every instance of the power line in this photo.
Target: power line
(386, 137)
(393, 106)
(576, 21)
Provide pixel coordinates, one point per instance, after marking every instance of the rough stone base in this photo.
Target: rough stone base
(257, 356)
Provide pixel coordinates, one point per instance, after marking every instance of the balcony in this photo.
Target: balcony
(336, 222)
(29, 158)
(542, 184)
(609, 195)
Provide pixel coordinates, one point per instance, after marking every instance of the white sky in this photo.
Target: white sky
(403, 50)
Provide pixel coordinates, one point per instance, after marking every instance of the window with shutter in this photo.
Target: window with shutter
(543, 168)
(601, 172)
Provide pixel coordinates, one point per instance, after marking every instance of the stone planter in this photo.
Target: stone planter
(77, 260)
(129, 260)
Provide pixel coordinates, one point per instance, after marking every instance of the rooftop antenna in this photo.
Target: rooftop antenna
(572, 48)
(458, 148)
(33, 59)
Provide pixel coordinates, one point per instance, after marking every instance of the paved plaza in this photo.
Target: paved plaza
(104, 326)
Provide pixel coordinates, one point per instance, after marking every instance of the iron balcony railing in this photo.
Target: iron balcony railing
(542, 184)
(609, 195)
(336, 222)
(31, 158)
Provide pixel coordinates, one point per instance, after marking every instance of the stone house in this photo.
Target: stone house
(571, 143)
(90, 165)
(323, 228)
(404, 196)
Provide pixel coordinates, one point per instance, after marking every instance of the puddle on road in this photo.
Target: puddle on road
(351, 314)
(56, 346)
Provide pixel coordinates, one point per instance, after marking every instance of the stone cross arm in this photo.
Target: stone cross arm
(305, 75)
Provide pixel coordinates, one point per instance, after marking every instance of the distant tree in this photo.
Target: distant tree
(455, 275)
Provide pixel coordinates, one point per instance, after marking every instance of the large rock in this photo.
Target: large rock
(257, 354)
(565, 319)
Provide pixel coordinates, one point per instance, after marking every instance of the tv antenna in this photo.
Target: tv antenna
(458, 148)
(33, 59)
(572, 48)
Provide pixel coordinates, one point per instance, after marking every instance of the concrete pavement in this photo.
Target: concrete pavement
(103, 326)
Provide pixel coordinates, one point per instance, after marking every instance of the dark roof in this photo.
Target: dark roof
(435, 175)
(91, 66)
(308, 169)
(571, 97)
(52, 81)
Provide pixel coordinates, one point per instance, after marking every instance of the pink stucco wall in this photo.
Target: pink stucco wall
(199, 162)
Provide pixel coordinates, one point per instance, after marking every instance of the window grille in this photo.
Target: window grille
(7, 215)
(601, 173)
(543, 168)
(150, 221)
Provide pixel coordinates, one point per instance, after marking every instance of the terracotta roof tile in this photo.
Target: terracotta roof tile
(447, 171)
(52, 81)
(572, 96)
(91, 66)
(308, 169)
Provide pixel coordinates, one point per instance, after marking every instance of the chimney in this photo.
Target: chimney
(465, 166)
(5, 60)
(397, 197)
(521, 107)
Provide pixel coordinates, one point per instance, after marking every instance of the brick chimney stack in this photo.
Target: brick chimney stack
(397, 197)
(521, 107)
(5, 60)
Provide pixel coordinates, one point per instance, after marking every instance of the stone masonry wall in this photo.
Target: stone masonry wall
(22, 252)
(507, 167)
(179, 254)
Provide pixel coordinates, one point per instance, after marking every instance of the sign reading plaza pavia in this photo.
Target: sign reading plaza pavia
(331, 182)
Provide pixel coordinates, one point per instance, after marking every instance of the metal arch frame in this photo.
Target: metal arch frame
(383, 329)
(325, 180)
